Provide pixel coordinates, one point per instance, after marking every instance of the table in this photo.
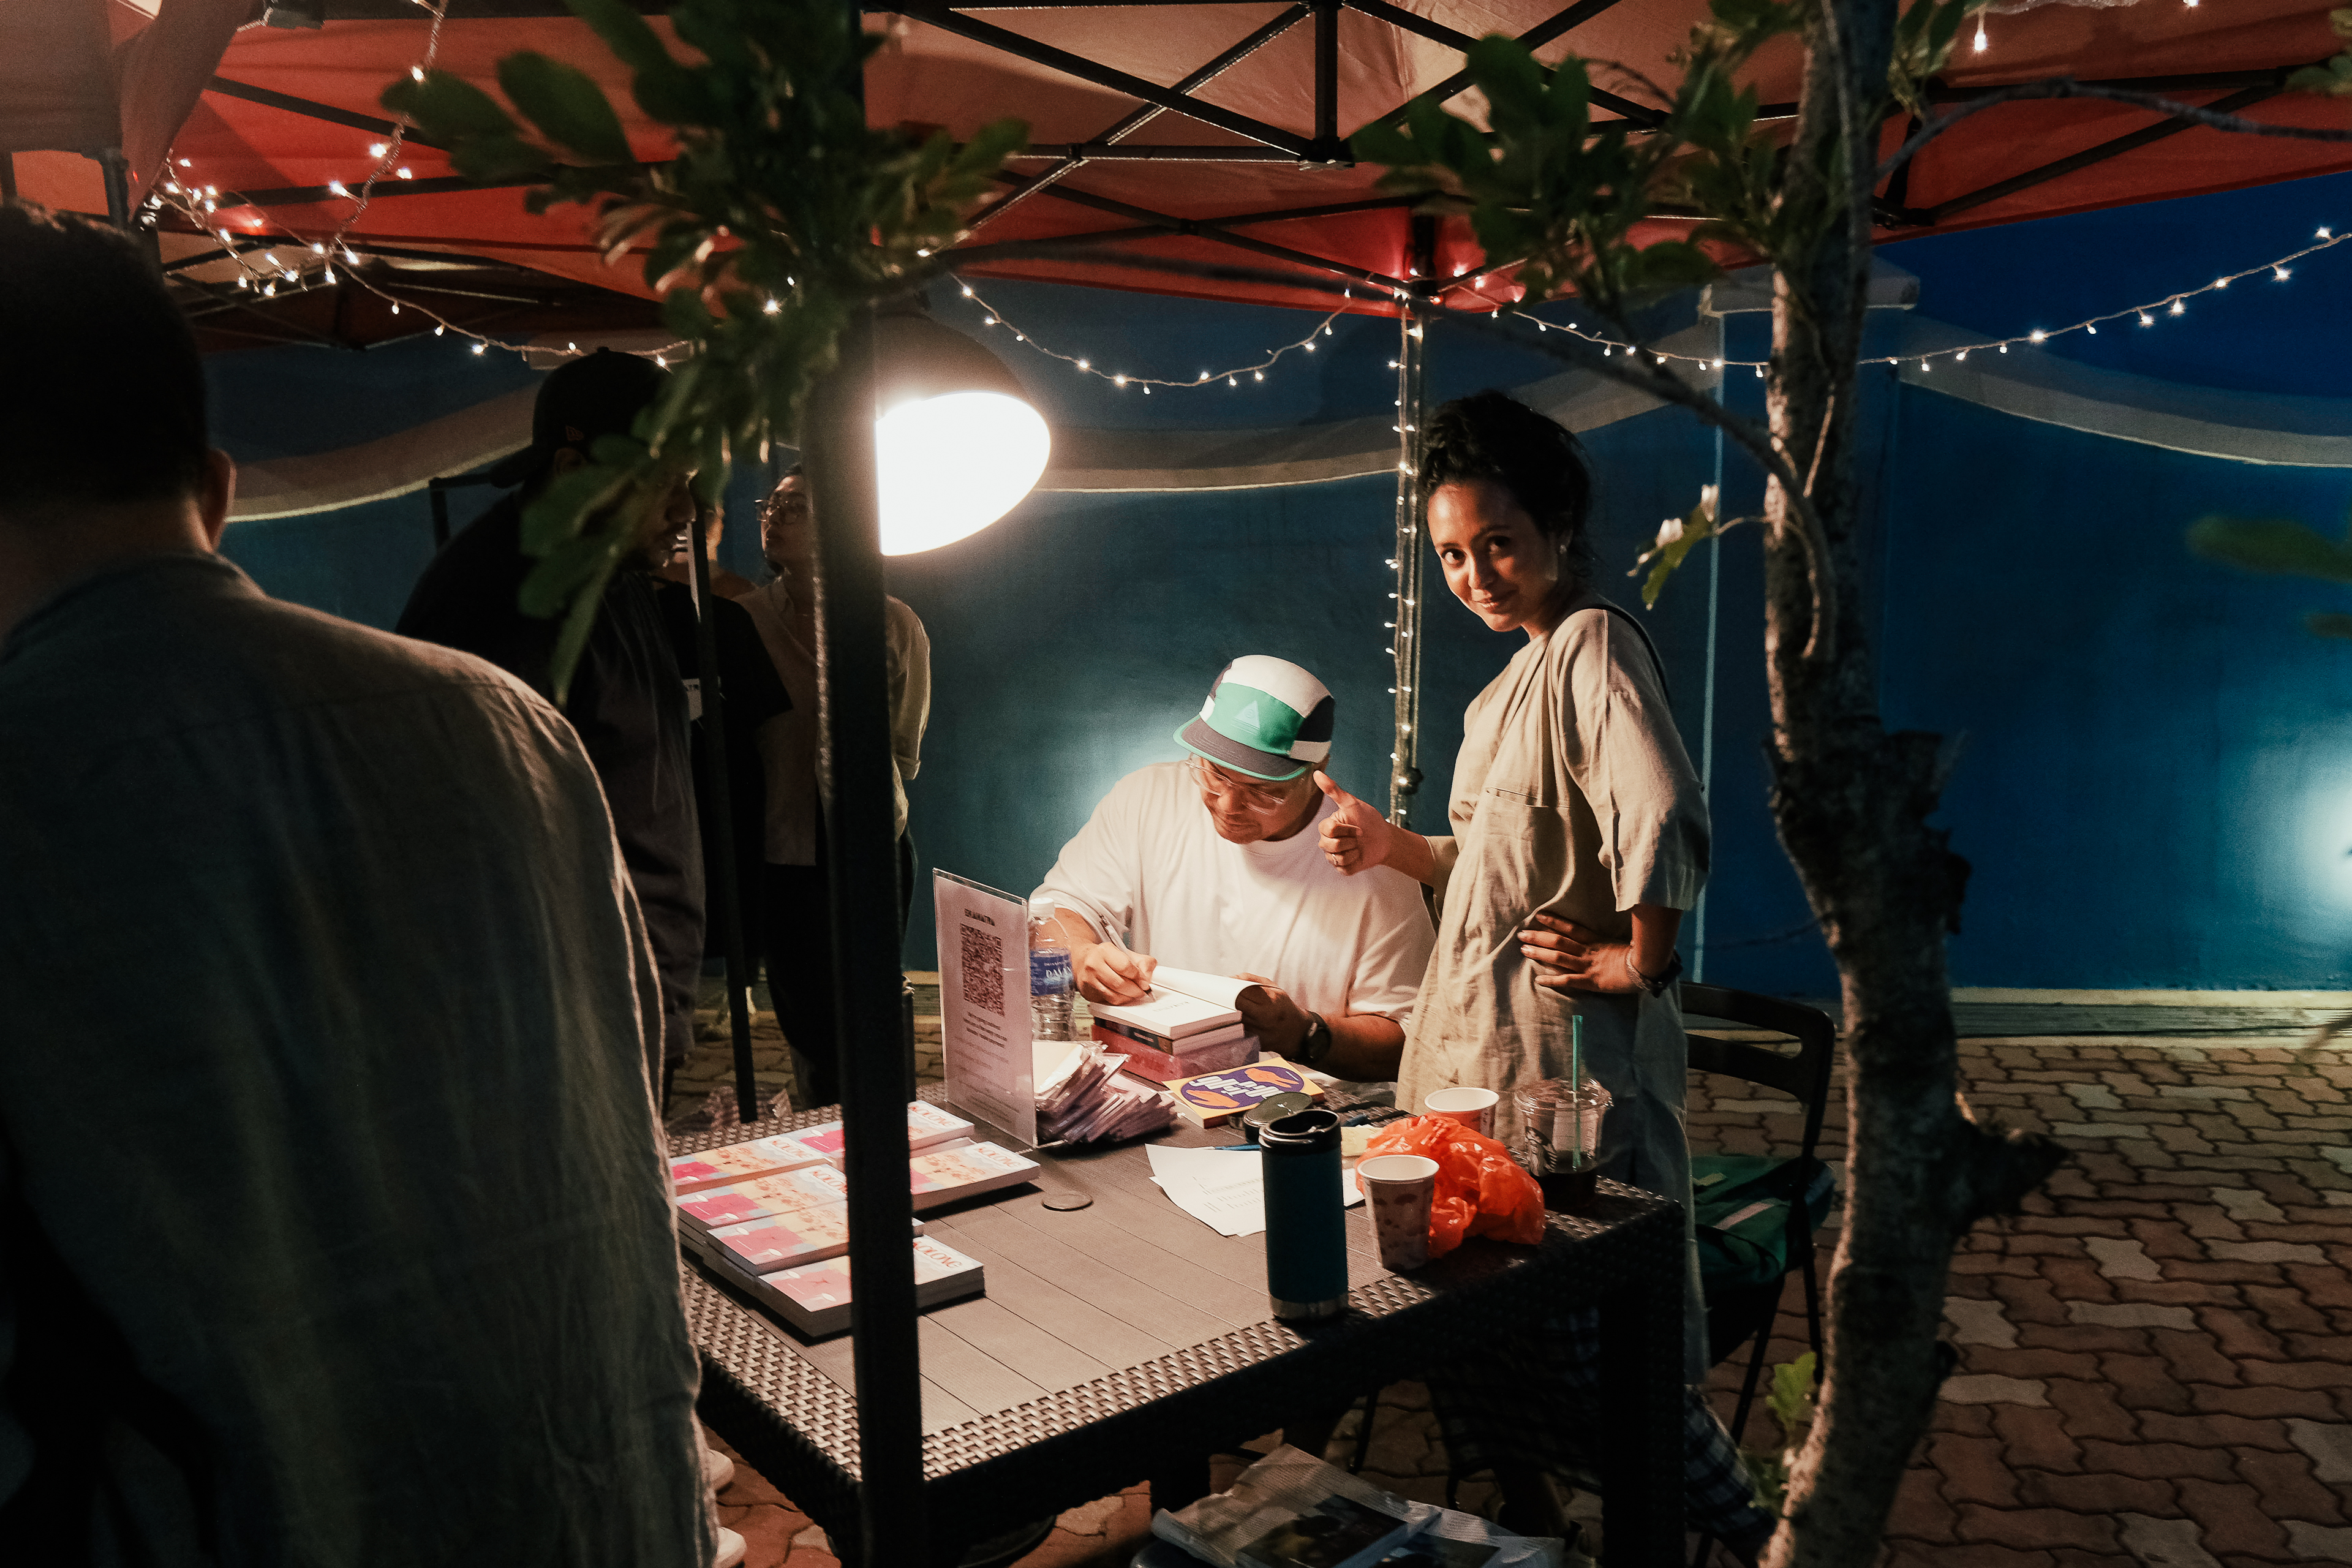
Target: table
(1127, 1342)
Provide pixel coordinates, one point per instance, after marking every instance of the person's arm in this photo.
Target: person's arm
(1571, 957)
(1365, 1046)
(1356, 837)
(1105, 971)
(911, 689)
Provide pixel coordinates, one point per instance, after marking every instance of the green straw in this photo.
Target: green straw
(1576, 1083)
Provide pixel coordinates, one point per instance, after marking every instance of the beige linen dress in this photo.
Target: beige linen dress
(1572, 797)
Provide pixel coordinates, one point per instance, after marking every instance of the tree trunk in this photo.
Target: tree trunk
(1851, 803)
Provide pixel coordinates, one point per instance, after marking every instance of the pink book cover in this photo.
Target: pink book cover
(926, 1125)
(786, 1241)
(735, 1162)
(765, 1196)
(961, 1169)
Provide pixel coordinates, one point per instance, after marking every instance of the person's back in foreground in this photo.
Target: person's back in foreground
(333, 1228)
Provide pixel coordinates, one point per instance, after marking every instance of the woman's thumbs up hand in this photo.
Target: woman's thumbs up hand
(1355, 838)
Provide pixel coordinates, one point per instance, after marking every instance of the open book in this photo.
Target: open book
(1184, 1002)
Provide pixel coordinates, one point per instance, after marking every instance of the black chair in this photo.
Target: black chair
(1736, 1316)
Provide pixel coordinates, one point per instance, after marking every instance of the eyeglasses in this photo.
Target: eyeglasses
(785, 506)
(1215, 781)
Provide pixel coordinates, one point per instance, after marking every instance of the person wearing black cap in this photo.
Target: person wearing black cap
(626, 700)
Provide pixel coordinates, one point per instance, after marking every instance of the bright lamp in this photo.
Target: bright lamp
(956, 443)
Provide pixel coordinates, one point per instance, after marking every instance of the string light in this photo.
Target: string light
(2280, 270)
(1083, 363)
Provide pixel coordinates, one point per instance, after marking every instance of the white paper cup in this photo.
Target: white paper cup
(1398, 1188)
(1473, 1108)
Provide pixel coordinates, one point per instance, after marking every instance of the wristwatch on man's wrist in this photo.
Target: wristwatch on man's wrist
(1317, 1042)
(1657, 986)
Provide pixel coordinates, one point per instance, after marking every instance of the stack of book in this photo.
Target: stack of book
(740, 1163)
(815, 1299)
(960, 1168)
(1081, 1099)
(1174, 1033)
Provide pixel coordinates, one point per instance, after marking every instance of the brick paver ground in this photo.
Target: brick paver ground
(2156, 1361)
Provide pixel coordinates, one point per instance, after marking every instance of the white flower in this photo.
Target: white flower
(1670, 531)
(1706, 495)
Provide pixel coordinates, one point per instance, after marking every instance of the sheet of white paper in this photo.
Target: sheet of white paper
(1219, 988)
(1222, 1190)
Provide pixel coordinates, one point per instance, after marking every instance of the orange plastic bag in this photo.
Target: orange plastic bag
(1481, 1190)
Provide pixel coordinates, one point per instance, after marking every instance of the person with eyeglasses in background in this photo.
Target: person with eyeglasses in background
(1212, 863)
(799, 913)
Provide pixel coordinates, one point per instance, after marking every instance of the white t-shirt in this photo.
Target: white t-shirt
(1151, 862)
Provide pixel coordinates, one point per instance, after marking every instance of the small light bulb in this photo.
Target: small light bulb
(2280, 273)
(404, 173)
(416, 73)
(351, 255)
(243, 281)
(336, 187)
(269, 290)
(2324, 234)
(2092, 330)
(329, 274)
(1258, 375)
(1233, 381)
(1326, 329)
(438, 330)
(967, 292)
(1926, 365)
(662, 359)
(988, 321)
(1084, 365)
(773, 306)
(1118, 381)
(187, 164)
(2004, 348)
(2145, 320)
(2036, 335)
(480, 347)
(2179, 308)
(396, 307)
(377, 149)
(570, 348)
(318, 250)
(2220, 282)
(1961, 357)
(1982, 42)
(1310, 348)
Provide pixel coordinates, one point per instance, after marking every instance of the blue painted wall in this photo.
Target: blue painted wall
(2154, 791)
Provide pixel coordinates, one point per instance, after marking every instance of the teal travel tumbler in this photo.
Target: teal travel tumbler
(1306, 1216)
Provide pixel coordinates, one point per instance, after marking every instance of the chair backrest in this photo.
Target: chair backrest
(1804, 1074)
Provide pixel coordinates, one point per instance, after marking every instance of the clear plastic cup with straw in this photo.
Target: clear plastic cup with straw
(1559, 1130)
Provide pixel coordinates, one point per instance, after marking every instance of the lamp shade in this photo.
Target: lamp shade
(955, 438)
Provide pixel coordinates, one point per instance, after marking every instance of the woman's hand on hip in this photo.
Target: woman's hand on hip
(1571, 957)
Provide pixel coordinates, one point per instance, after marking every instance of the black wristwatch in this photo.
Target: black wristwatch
(1654, 987)
(1317, 1045)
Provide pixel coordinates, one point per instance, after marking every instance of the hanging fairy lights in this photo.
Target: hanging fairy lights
(1083, 363)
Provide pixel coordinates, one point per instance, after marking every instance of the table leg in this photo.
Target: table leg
(1642, 1464)
(1309, 1431)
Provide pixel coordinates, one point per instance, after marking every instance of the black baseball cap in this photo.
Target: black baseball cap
(597, 395)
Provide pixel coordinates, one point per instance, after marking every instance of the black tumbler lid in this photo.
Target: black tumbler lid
(1273, 1110)
(1302, 1132)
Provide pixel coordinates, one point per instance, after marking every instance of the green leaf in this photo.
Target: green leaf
(625, 32)
(1381, 143)
(447, 108)
(2271, 544)
(557, 516)
(1791, 1399)
(501, 157)
(566, 104)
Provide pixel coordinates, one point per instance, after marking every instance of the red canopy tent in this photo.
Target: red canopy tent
(1207, 133)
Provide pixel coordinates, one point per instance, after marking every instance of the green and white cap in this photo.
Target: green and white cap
(1265, 717)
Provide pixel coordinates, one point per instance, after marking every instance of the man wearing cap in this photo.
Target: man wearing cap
(1212, 863)
(626, 699)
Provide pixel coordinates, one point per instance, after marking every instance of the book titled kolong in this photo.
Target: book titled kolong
(763, 1197)
(1218, 1096)
(815, 1298)
(927, 1126)
(961, 1169)
(739, 1162)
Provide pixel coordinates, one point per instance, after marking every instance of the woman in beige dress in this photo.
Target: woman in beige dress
(1580, 834)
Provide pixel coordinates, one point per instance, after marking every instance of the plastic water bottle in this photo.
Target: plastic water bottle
(1051, 987)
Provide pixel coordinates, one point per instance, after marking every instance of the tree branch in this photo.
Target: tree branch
(2067, 87)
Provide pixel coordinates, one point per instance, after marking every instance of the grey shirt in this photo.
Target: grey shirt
(332, 1223)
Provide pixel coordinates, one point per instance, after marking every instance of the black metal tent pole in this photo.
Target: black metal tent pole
(861, 840)
(728, 899)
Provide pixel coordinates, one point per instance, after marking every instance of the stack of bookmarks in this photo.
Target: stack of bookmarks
(774, 1213)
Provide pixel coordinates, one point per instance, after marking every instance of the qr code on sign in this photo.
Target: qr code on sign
(983, 962)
